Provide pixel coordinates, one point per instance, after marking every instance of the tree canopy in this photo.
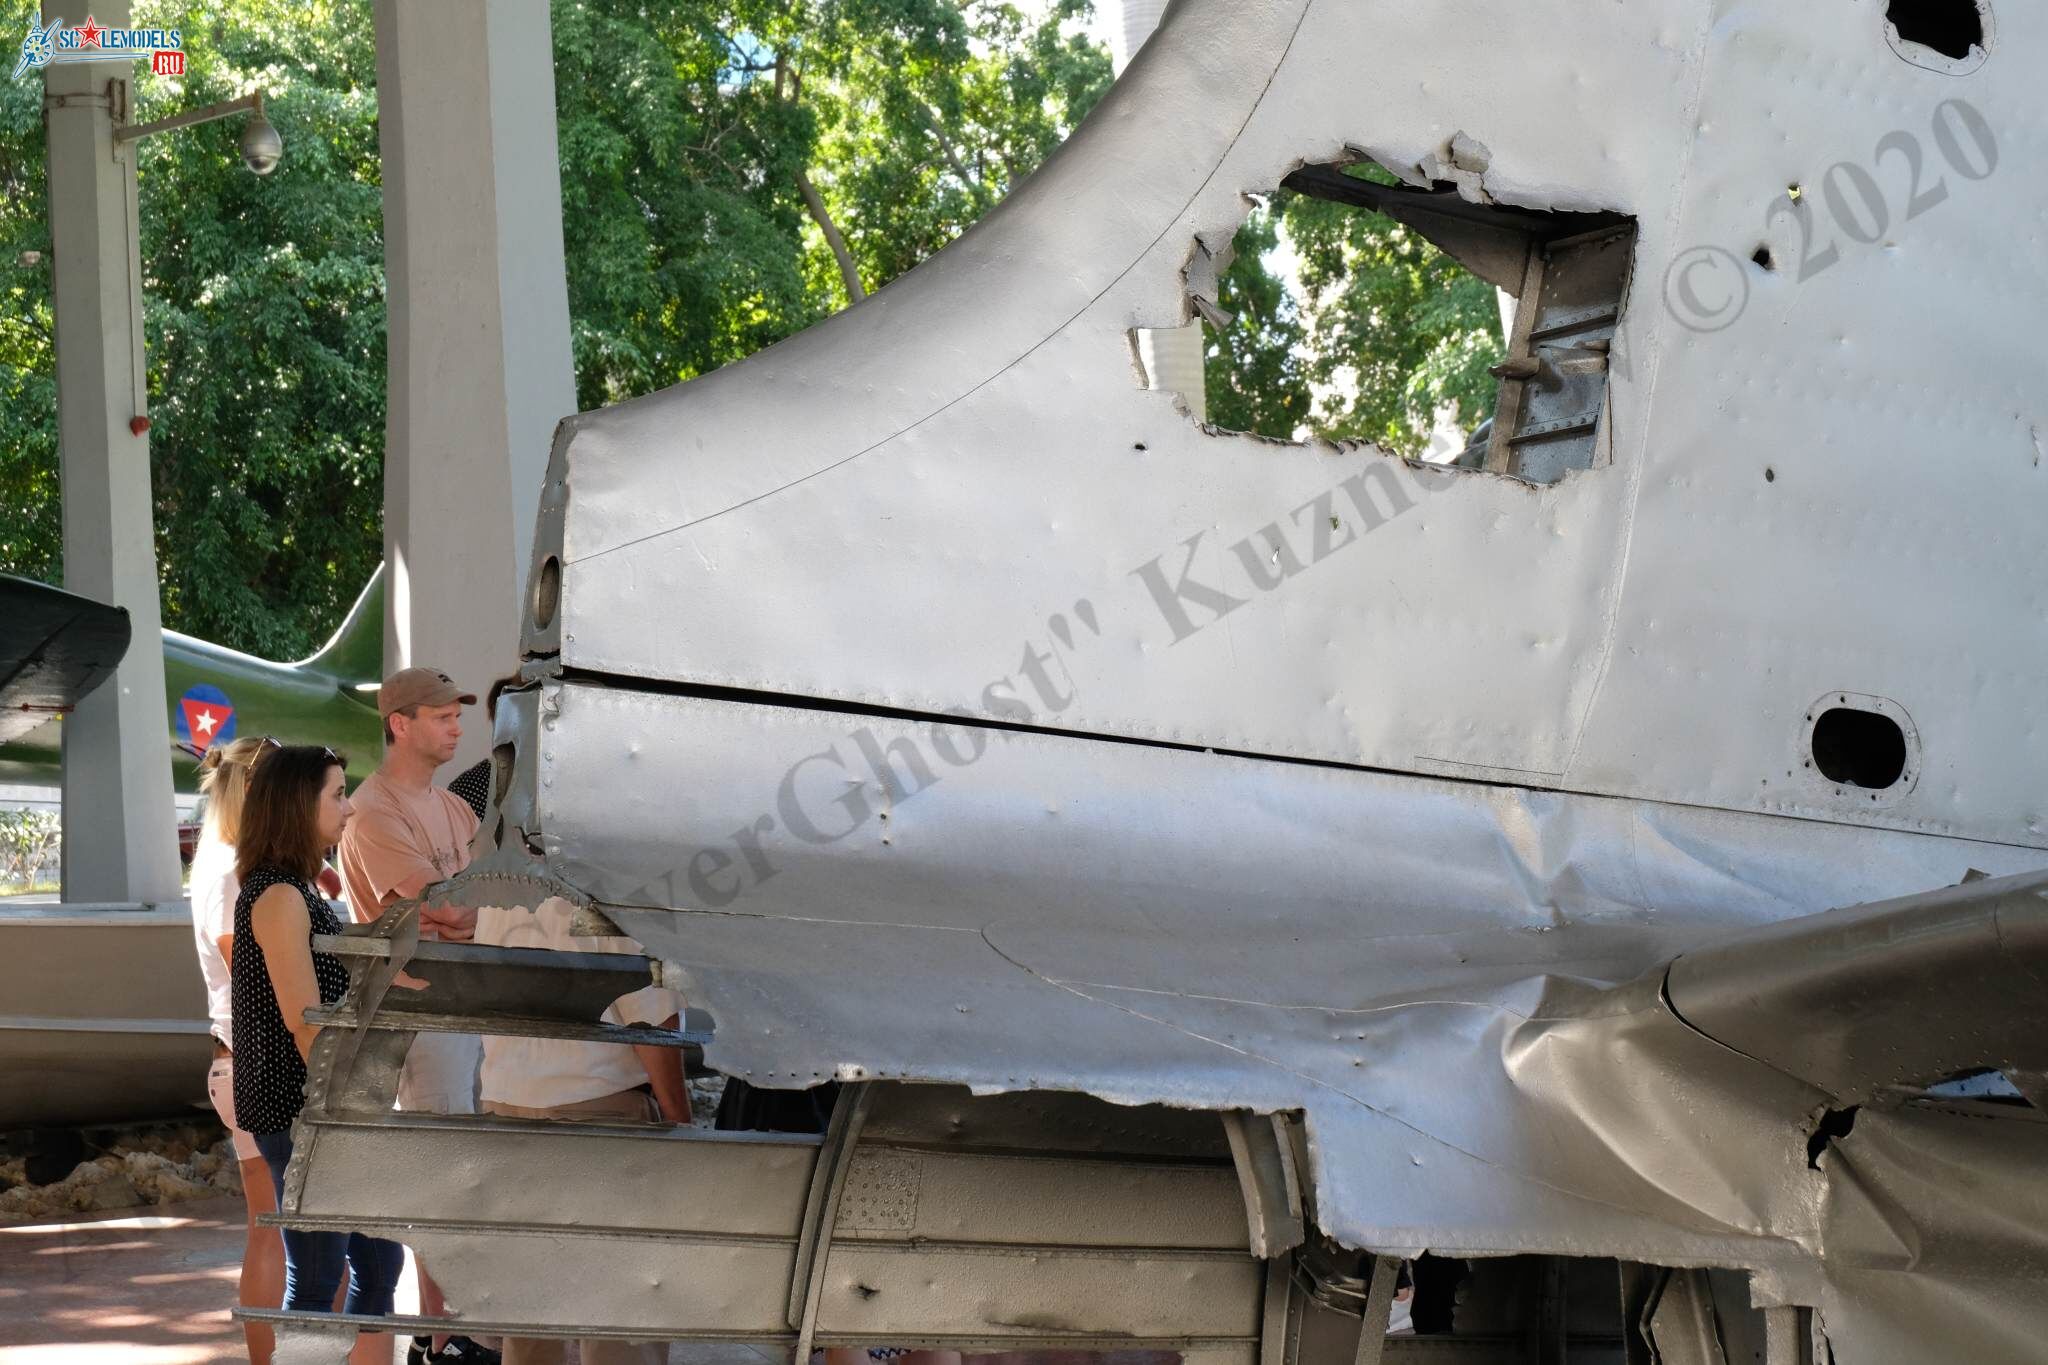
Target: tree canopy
(731, 173)
(263, 317)
(735, 172)
(1379, 332)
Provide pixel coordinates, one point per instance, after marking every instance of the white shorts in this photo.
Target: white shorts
(220, 1088)
(440, 1074)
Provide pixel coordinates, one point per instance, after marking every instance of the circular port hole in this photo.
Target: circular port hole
(1858, 748)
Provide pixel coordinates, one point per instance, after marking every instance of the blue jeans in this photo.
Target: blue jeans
(314, 1261)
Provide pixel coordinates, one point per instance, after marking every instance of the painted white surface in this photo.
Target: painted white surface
(938, 477)
(120, 835)
(480, 367)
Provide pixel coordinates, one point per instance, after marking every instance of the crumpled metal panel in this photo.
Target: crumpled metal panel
(1152, 924)
(1831, 494)
(1937, 1228)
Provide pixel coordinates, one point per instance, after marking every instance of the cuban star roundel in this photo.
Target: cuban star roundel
(205, 718)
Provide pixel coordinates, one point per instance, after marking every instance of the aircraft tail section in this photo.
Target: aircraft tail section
(355, 652)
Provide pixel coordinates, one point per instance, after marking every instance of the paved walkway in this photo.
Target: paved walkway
(135, 1286)
(154, 1287)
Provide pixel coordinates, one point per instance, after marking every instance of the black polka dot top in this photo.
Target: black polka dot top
(270, 1076)
(473, 785)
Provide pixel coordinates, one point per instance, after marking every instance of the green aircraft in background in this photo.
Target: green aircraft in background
(212, 693)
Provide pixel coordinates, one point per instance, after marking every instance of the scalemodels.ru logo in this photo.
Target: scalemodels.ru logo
(53, 44)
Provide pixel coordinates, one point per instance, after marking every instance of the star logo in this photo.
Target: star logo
(89, 32)
(205, 717)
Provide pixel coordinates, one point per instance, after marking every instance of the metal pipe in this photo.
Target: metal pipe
(135, 131)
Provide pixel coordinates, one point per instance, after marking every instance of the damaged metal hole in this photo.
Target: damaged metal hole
(1560, 281)
(1835, 1123)
(501, 770)
(547, 592)
(1952, 28)
(1533, 296)
(1770, 474)
(1859, 748)
(1762, 257)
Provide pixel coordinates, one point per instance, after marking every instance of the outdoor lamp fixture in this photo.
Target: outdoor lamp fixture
(262, 148)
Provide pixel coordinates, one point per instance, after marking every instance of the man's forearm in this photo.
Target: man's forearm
(454, 923)
(664, 1068)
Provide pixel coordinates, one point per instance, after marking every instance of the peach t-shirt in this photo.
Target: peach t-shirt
(394, 836)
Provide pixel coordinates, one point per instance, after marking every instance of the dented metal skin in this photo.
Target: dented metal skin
(853, 700)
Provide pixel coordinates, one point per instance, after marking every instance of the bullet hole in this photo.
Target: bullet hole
(1139, 446)
(1762, 256)
(1770, 475)
(1835, 1123)
(1859, 748)
(1950, 27)
(1793, 191)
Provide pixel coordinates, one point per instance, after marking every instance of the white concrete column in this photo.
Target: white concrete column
(478, 301)
(120, 825)
(1172, 356)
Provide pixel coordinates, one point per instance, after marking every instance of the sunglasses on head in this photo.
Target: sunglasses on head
(274, 742)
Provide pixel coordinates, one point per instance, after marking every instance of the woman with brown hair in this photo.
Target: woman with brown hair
(296, 806)
(224, 781)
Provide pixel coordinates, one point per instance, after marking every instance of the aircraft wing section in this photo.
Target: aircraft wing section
(55, 648)
(1885, 998)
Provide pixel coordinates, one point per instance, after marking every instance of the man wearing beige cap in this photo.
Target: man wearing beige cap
(408, 833)
(405, 835)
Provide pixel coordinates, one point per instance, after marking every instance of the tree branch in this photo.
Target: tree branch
(972, 181)
(849, 273)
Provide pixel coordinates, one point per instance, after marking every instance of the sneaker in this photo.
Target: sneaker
(463, 1351)
(417, 1353)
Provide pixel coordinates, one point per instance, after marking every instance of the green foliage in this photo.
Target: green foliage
(263, 316)
(933, 112)
(679, 198)
(265, 325)
(685, 131)
(1255, 371)
(30, 848)
(30, 530)
(1388, 330)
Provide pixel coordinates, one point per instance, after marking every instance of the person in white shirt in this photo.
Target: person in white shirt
(551, 1078)
(224, 779)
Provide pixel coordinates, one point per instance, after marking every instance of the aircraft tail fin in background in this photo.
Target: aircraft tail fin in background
(355, 652)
